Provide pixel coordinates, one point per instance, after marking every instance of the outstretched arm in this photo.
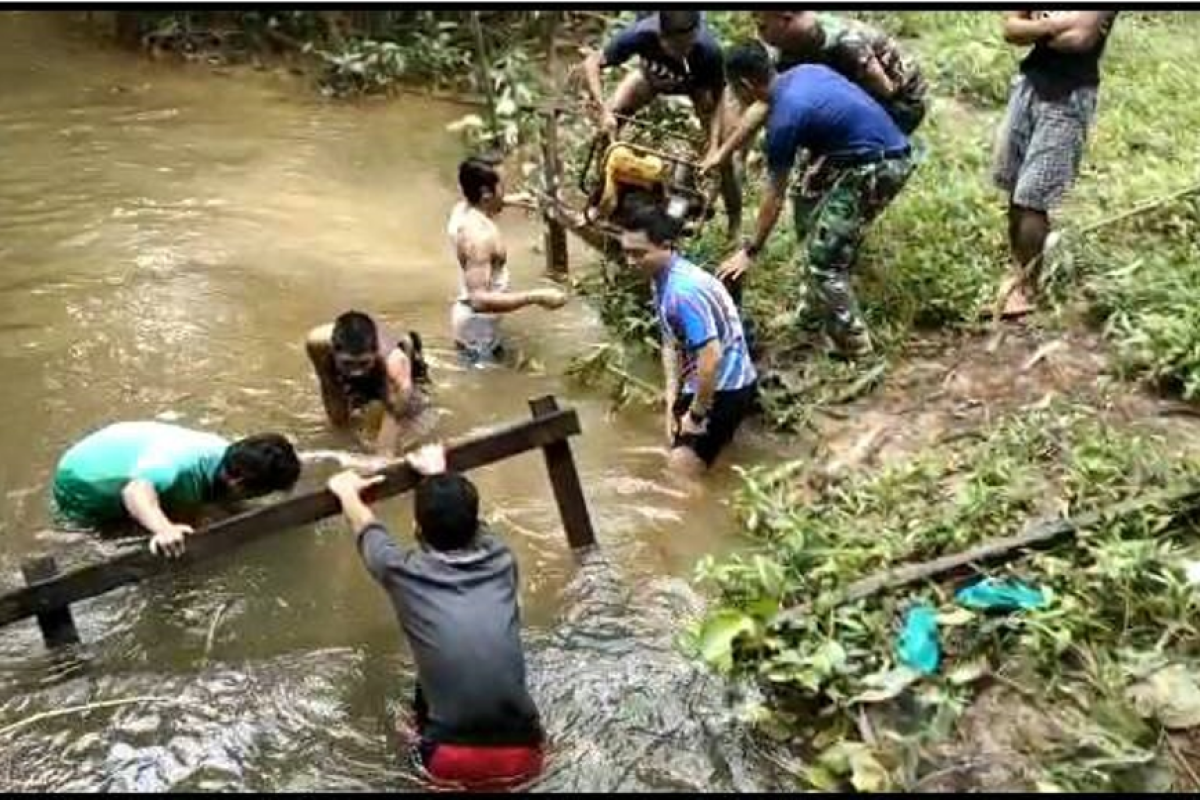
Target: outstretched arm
(768, 214)
(475, 254)
(348, 487)
(748, 124)
(337, 408)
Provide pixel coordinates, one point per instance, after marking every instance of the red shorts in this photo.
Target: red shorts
(481, 767)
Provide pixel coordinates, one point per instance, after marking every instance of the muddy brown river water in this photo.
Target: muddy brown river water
(167, 236)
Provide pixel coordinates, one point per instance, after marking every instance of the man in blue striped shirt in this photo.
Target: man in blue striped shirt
(711, 383)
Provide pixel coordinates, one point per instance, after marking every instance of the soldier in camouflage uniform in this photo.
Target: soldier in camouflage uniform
(865, 161)
(864, 54)
(860, 52)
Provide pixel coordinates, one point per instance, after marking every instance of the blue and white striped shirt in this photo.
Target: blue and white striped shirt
(695, 308)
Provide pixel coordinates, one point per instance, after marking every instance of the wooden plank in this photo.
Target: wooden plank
(57, 626)
(1039, 536)
(568, 492)
(94, 579)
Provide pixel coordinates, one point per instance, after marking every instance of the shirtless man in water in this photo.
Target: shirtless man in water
(482, 261)
(359, 362)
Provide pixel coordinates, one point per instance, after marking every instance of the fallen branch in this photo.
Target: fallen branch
(62, 712)
(1040, 536)
(212, 630)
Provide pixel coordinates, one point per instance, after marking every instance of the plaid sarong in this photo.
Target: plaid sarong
(1041, 143)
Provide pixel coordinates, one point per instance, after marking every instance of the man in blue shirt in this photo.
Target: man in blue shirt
(862, 161)
(711, 383)
(678, 56)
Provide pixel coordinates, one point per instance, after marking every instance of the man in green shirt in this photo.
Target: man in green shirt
(144, 470)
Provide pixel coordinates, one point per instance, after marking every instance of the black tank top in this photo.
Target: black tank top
(1055, 74)
(364, 389)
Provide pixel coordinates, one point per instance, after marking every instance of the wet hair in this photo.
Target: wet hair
(671, 23)
(354, 334)
(447, 511)
(749, 61)
(476, 174)
(261, 464)
(652, 221)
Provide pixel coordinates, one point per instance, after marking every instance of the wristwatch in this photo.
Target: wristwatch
(750, 248)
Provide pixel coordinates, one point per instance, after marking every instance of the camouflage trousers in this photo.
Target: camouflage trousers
(832, 206)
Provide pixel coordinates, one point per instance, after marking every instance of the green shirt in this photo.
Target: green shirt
(180, 463)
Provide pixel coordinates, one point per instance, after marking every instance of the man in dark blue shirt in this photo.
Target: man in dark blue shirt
(678, 56)
(861, 161)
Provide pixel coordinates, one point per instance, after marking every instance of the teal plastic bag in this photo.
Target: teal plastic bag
(918, 647)
(993, 595)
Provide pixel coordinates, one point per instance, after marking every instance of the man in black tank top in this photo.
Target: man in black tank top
(1041, 142)
(358, 363)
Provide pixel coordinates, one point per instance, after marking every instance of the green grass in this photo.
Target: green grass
(1117, 596)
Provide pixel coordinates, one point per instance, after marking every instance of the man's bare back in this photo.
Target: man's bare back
(482, 262)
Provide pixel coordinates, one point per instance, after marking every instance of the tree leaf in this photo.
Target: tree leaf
(717, 636)
(968, 672)
(470, 121)
(866, 773)
(821, 779)
(886, 685)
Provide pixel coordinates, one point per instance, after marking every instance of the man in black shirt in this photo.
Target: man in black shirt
(455, 595)
(677, 55)
(1050, 110)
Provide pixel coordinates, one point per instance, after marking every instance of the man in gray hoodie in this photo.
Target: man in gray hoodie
(455, 596)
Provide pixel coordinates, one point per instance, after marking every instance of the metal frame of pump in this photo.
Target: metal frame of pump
(646, 168)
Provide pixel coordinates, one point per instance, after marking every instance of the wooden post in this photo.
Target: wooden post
(568, 492)
(555, 239)
(57, 626)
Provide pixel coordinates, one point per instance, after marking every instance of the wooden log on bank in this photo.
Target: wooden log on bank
(47, 596)
(1039, 536)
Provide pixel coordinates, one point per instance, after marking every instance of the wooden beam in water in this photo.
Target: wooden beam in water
(564, 477)
(57, 626)
(48, 596)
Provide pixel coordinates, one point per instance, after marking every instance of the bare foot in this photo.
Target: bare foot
(1017, 305)
(1012, 301)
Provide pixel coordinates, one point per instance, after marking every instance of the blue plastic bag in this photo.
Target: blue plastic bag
(992, 595)
(918, 647)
